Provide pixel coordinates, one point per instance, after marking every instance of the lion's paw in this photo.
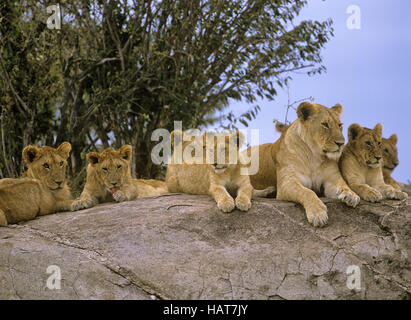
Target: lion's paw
(243, 203)
(3, 220)
(119, 196)
(372, 195)
(350, 198)
(395, 194)
(80, 204)
(317, 214)
(226, 205)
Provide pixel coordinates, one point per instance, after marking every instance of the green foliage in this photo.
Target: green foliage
(117, 70)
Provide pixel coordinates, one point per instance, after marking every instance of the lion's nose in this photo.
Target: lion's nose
(58, 182)
(339, 144)
(114, 184)
(378, 158)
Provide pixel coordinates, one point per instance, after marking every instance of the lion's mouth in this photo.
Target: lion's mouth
(389, 168)
(333, 155)
(375, 164)
(113, 189)
(56, 188)
(335, 151)
(219, 168)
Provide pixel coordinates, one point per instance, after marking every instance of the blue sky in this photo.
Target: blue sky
(368, 73)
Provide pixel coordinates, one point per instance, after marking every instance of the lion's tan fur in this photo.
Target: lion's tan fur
(222, 181)
(390, 157)
(361, 164)
(303, 162)
(42, 191)
(267, 174)
(109, 179)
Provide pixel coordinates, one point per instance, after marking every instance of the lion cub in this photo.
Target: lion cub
(390, 157)
(361, 164)
(220, 179)
(109, 179)
(42, 191)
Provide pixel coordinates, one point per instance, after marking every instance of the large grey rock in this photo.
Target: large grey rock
(182, 247)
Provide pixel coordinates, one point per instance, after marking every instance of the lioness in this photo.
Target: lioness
(42, 191)
(303, 161)
(109, 179)
(219, 179)
(390, 157)
(361, 164)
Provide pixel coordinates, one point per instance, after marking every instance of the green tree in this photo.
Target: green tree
(29, 84)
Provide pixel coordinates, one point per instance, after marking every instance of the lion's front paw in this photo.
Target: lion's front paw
(119, 196)
(81, 204)
(350, 198)
(395, 194)
(243, 203)
(226, 205)
(317, 214)
(3, 220)
(372, 195)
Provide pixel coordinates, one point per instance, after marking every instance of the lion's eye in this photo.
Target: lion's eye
(61, 163)
(46, 166)
(379, 143)
(368, 143)
(325, 124)
(105, 169)
(340, 125)
(386, 150)
(119, 166)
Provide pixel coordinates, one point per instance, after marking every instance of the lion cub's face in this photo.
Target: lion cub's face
(222, 151)
(390, 153)
(111, 166)
(324, 126)
(48, 164)
(367, 144)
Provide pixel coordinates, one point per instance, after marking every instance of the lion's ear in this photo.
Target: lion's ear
(337, 108)
(305, 110)
(281, 127)
(237, 139)
(64, 149)
(30, 153)
(378, 130)
(353, 131)
(393, 138)
(93, 158)
(176, 137)
(126, 152)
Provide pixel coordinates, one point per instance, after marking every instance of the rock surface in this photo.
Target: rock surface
(182, 247)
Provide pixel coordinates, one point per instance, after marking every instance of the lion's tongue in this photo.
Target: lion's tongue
(114, 189)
